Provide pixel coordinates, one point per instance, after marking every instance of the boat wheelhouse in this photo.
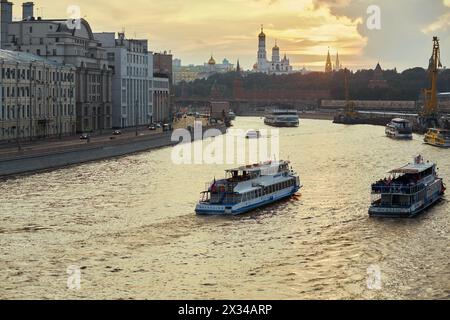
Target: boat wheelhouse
(249, 187)
(438, 138)
(399, 129)
(408, 191)
(282, 118)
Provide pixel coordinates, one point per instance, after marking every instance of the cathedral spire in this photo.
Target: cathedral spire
(328, 66)
(238, 67)
(337, 67)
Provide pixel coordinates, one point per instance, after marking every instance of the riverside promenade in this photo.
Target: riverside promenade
(54, 153)
(42, 146)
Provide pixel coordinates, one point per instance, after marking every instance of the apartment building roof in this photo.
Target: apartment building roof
(26, 57)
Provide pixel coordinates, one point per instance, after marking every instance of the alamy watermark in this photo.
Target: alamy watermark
(74, 277)
(374, 277)
(374, 17)
(237, 147)
(74, 17)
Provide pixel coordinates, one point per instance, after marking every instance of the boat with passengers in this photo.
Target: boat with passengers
(408, 191)
(249, 187)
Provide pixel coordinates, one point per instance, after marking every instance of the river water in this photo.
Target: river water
(129, 225)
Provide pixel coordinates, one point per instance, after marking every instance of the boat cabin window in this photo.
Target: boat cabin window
(239, 176)
(279, 186)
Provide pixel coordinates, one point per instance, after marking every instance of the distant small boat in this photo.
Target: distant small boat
(253, 134)
(282, 118)
(438, 138)
(408, 191)
(232, 115)
(399, 129)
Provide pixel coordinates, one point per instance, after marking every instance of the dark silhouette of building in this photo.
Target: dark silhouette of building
(378, 79)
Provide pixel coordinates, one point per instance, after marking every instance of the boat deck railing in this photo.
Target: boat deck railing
(396, 189)
(379, 204)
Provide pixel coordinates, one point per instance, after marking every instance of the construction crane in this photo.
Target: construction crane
(429, 114)
(349, 116)
(349, 105)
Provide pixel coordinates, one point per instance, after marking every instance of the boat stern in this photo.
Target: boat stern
(204, 209)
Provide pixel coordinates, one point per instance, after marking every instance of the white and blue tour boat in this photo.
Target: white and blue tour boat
(249, 187)
(408, 191)
(399, 129)
(282, 118)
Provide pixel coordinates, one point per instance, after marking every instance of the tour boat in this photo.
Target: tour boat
(408, 191)
(282, 118)
(438, 138)
(399, 129)
(249, 187)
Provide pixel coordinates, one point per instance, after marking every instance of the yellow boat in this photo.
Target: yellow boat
(438, 138)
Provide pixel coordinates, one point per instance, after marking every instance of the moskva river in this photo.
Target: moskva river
(125, 228)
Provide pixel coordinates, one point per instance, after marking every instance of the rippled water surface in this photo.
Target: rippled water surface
(129, 223)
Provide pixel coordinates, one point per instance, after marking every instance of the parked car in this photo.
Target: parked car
(117, 133)
(152, 127)
(158, 125)
(84, 136)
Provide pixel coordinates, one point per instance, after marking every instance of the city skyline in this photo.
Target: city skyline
(304, 29)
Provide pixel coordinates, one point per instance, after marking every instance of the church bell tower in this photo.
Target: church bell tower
(262, 53)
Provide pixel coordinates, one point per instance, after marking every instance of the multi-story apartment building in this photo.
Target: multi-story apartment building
(132, 66)
(66, 42)
(36, 97)
(161, 99)
(162, 65)
(162, 86)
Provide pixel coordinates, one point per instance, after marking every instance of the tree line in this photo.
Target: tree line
(407, 85)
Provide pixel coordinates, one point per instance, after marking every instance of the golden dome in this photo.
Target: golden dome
(212, 61)
(276, 46)
(262, 34)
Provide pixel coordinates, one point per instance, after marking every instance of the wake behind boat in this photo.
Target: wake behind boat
(249, 187)
(412, 189)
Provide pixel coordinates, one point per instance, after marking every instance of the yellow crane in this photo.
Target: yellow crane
(430, 109)
(349, 115)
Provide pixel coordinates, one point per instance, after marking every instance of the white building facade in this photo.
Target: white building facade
(132, 79)
(277, 65)
(37, 97)
(66, 42)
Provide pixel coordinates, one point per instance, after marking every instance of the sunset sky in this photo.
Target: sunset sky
(193, 29)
